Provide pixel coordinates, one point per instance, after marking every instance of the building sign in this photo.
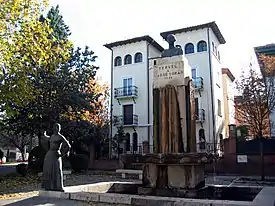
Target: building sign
(242, 158)
(169, 73)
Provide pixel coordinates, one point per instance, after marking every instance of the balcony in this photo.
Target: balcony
(198, 83)
(126, 92)
(200, 116)
(125, 120)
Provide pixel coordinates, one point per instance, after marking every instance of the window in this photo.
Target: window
(194, 73)
(128, 59)
(219, 108)
(219, 57)
(189, 48)
(138, 57)
(216, 51)
(128, 144)
(135, 141)
(118, 61)
(127, 86)
(202, 46)
(128, 114)
(197, 108)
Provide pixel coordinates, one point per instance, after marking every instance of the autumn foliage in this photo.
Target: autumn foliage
(257, 97)
(99, 115)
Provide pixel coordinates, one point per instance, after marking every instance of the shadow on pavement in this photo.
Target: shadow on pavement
(42, 201)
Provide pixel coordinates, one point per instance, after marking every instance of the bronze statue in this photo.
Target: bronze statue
(57, 147)
(172, 50)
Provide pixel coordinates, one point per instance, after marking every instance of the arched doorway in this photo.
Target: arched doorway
(202, 141)
(128, 144)
(135, 142)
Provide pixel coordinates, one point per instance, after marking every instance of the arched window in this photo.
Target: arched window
(135, 141)
(128, 59)
(202, 46)
(201, 134)
(138, 57)
(216, 51)
(202, 143)
(213, 47)
(127, 135)
(118, 61)
(189, 48)
(219, 57)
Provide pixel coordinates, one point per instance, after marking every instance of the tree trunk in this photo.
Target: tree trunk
(262, 156)
(22, 151)
(92, 155)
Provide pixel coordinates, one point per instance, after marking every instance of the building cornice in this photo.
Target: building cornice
(211, 25)
(146, 38)
(228, 73)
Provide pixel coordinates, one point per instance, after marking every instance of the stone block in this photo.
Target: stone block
(145, 190)
(153, 201)
(188, 176)
(85, 196)
(54, 194)
(115, 198)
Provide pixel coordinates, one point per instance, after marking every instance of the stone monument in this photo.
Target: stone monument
(56, 146)
(175, 168)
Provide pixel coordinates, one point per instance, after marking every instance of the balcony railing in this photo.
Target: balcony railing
(200, 116)
(124, 92)
(126, 120)
(198, 83)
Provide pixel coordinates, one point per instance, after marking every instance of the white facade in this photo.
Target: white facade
(201, 62)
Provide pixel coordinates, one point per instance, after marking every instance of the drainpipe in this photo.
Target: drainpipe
(211, 90)
(148, 94)
(111, 108)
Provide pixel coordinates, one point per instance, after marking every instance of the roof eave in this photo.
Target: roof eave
(146, 38)
(211, 25)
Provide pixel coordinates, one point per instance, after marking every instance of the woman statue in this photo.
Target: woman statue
(52, 168)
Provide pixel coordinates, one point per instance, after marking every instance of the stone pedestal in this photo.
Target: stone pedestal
(182, 173)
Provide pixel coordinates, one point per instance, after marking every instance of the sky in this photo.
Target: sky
(244, 24)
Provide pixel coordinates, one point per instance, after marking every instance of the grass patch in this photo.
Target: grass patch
(14, 185)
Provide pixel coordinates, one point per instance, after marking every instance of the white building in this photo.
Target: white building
(131, 81)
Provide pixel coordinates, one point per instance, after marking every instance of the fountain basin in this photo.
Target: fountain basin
(125, 193)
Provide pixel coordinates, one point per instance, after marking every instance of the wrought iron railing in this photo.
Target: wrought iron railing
(123, 92)
(198, 83)
(209, 147)
(125, 120)
(200, 116)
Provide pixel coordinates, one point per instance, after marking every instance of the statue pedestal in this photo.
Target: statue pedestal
(179, 174)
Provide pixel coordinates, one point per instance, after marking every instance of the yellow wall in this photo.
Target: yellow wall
(225, 100)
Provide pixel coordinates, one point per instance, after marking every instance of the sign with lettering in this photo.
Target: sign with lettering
(169, 73)
(242, 158)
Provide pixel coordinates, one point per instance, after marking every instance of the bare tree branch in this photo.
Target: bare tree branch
(257, 97)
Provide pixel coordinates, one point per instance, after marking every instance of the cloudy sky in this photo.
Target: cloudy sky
(95, 22)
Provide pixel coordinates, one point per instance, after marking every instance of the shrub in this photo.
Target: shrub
(79, 162)
(22, 169)
(36, 159)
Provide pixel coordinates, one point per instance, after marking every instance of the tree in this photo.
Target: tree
(118, 138)
(100, 115)
(257, 99)
(27, 47)
(61, 31)
(255, 102)
(13, 134)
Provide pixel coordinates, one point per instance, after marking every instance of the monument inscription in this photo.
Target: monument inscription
(168, 73)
